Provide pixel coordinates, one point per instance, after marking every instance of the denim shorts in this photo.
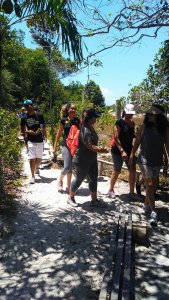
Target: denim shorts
(118, 162)
(149, 171)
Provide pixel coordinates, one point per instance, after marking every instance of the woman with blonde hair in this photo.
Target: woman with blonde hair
(68, 118)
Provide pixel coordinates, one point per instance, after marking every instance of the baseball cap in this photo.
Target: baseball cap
(129, 109)
(93, 113)
(27, 102)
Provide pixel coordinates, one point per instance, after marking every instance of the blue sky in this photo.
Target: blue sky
(122, 68)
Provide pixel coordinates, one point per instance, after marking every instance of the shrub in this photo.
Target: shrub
(10, 147)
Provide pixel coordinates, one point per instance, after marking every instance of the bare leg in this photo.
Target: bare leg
(113, 179)
(61, 177)
(132, 179)
(69, 176)
(38, 162)
(33, 166)
(150, 199)
(94, 196)
(156, 183)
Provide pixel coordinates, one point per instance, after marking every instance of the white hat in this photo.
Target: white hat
(129, 109)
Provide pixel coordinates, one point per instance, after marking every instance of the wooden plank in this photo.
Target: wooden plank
(123, 167)
(109, 261)
(118, 262)
(111, 164)
(127, 261)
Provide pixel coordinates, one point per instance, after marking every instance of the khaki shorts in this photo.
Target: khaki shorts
(149, 171)
(35, 150)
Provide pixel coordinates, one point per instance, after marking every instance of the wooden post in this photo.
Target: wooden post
(100, 168)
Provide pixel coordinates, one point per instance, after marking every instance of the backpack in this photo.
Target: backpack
(73, 139)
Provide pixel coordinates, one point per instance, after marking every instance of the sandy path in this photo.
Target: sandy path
(54, 251)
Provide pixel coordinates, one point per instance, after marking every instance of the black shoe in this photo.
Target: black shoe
(71, 201)
(97, 203)
(138, 189)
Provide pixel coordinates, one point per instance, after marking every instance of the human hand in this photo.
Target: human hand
(54, 157)
(38, 131)
(104, 150)
(124, 155)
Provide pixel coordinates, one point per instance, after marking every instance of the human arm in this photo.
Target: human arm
(95, 148)
(90, 141)
(57, 138)
(118, 142)
(137, 142)
(44, 134)
(166, 152)
(25, 131)
(42, 126)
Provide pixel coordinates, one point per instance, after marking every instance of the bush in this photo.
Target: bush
(10, 147)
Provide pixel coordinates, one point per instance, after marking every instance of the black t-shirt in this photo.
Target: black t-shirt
(33, 122)
(126, 137)
(83, 154)
(67, 123)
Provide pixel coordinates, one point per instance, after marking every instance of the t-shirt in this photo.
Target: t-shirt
(33, 122)
(126, 136)
(83, 154)
(67, 123)
(152, 147)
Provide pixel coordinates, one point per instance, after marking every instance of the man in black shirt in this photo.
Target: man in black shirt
(33, 125)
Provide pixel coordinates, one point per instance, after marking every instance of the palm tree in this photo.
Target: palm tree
(56, 13)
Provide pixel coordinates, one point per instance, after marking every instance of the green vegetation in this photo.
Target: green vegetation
(36, 74)
(9, 145)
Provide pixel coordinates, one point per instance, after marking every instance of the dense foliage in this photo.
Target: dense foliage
(155, 87)
(9, 143)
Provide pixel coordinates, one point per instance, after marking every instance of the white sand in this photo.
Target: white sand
(55, 251)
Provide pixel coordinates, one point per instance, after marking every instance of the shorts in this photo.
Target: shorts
(35, 150)
(149, 171)
(118, 162)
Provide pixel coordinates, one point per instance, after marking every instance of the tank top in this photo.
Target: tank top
(152, 147)
(126, 136)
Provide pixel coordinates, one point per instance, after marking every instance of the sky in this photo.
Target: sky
(122, 68)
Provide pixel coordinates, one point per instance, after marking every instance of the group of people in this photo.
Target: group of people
(152, 139)
(85, 158)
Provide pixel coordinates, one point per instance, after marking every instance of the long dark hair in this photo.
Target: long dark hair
(84, 117)
(162, 122)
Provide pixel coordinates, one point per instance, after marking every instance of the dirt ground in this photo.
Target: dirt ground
(50, 250)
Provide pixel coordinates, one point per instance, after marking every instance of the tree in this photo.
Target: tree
(56, 14)
(155, 87)
(94, 94)
(123, 23)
